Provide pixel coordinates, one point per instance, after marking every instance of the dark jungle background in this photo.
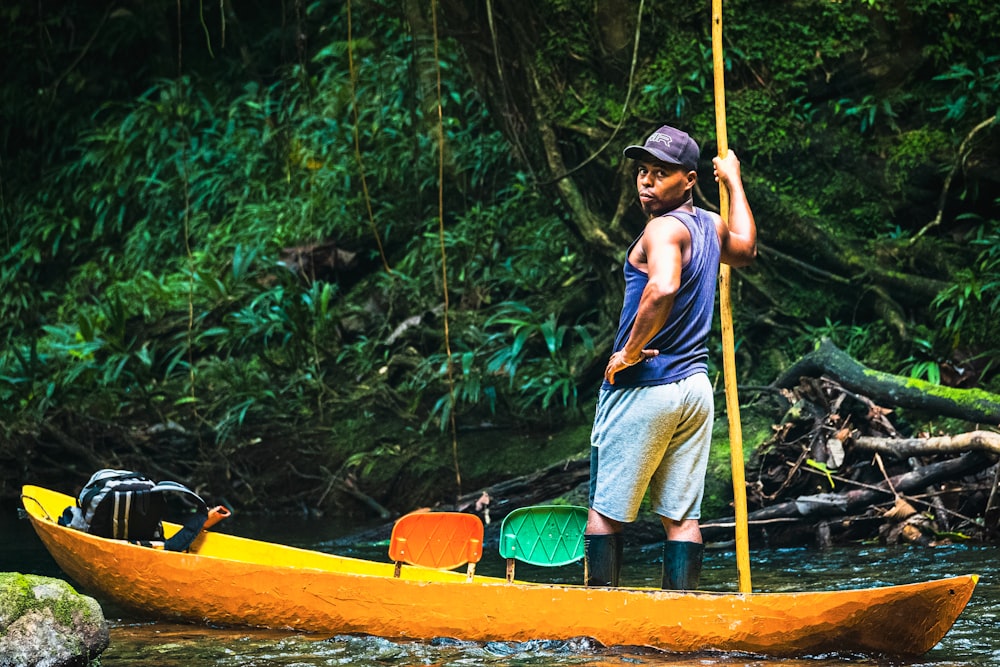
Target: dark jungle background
(241, 241)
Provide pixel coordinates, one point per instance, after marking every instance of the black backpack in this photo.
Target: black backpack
(126, 505)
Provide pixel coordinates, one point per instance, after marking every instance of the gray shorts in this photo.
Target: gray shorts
(656, 437)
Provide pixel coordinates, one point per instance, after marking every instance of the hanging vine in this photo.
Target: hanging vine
(444, 260)
(357, 139)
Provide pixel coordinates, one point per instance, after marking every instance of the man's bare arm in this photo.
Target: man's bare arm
(739, 241)
(663, 243)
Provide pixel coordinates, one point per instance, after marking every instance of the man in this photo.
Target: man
(654, 417)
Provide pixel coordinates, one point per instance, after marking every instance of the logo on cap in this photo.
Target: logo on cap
(661, 138)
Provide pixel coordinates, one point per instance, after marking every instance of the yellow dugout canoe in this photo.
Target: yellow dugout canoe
(229, 580)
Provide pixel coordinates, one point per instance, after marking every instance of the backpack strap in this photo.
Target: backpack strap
(182, 539)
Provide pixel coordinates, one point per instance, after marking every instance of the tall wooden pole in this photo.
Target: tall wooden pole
(726, 308)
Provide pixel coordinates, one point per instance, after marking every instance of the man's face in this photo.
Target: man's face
(663, 187)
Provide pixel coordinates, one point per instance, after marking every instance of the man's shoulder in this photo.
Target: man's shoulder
(687, 217)
(705, 214)
(668, 221)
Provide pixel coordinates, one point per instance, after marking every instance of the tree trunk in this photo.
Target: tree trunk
(425, 75)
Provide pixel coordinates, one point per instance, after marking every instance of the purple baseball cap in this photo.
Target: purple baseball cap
(670, 145)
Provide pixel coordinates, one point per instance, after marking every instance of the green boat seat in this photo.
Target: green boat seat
(546, 535)
(440, 540)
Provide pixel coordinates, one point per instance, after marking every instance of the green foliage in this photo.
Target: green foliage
(908, 156)
(522, 359)
(976, 86)
(823, 468)
(969, 307)
(923, 365)
(854, 339)
(680, 83)
(546, 376)
(158, 253)
(870, 112)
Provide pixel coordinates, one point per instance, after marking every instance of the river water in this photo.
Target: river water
(973, 642)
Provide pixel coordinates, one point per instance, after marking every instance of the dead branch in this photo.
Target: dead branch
(942, 200)
(493, 503)
(822, 274)
(984, 441)
(819, 506)
(349, 487)
(532, 489)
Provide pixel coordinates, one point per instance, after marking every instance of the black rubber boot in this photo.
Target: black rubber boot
(602, 562)
(681, 565)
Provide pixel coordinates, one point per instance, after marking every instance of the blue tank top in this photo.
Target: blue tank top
(682, 341)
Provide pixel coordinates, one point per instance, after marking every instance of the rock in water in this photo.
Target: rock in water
(44, 622)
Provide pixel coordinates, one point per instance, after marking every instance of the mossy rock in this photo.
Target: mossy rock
(44, 621)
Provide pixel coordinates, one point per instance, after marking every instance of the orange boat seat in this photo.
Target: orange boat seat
(440, 540)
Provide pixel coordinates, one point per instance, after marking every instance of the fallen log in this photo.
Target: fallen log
(973, 405)
(983, 441)
(493, 503)
(821, 506)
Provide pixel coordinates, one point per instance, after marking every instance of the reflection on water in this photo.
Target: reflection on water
(973, 642)
(176, 646)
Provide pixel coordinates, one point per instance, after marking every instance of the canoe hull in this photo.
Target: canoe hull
(235, 581)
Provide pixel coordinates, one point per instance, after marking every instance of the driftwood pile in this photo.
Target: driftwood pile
(837, 470)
